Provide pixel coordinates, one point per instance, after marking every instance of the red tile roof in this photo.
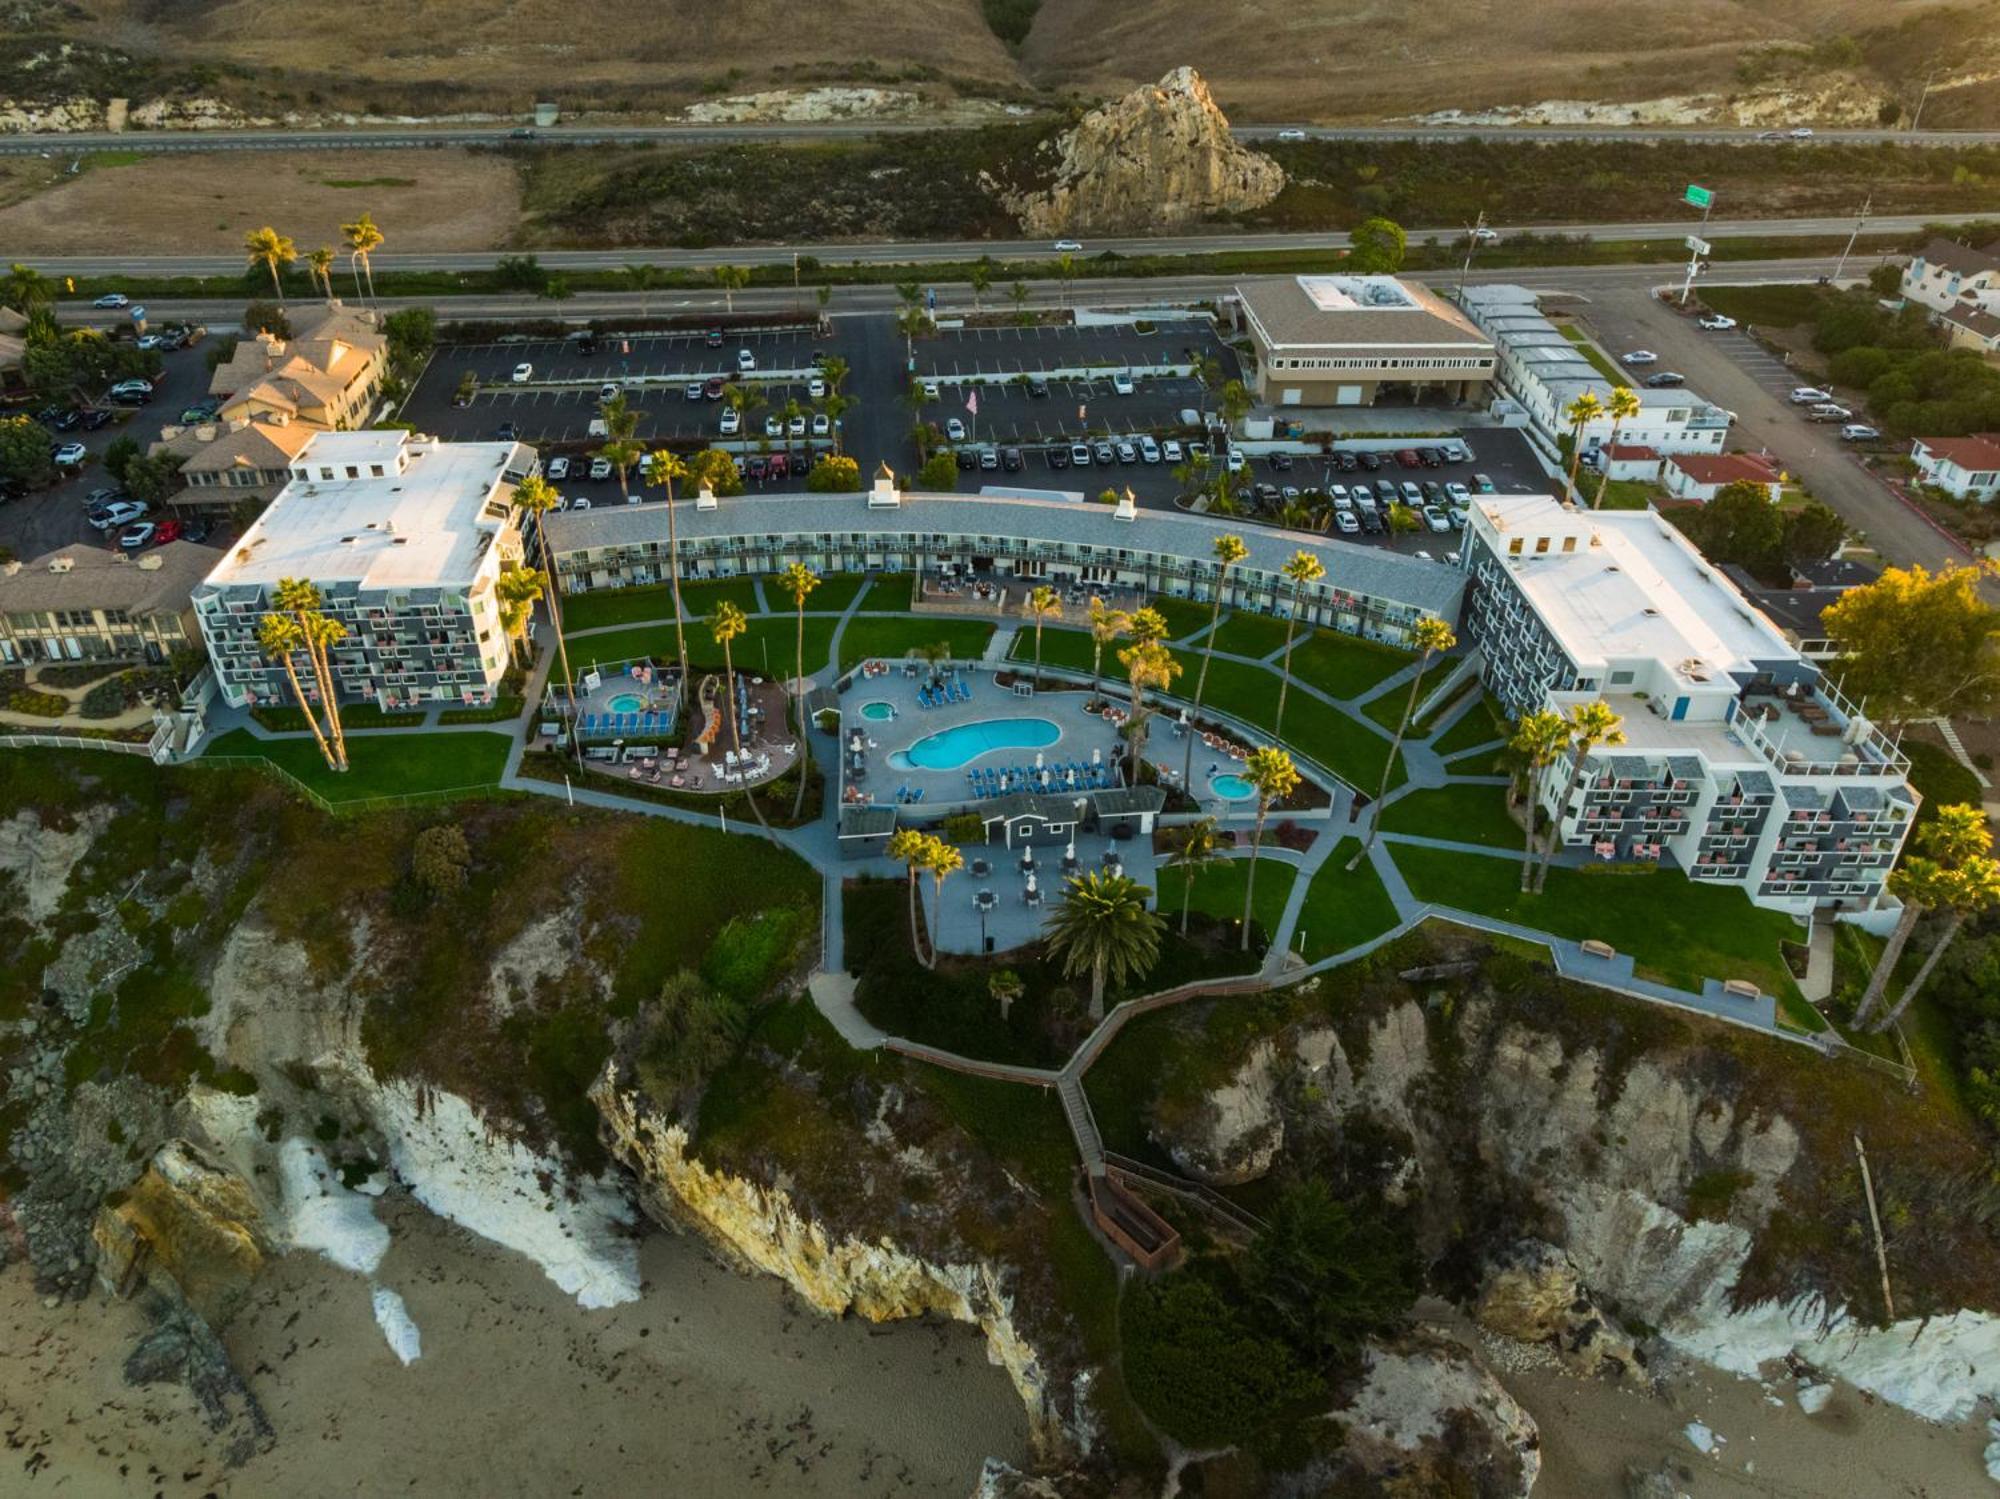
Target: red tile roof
(1981, 451)
(1726, 468)
(1630, 452)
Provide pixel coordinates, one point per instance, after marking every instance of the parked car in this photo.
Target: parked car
(1128, 452)
(1038, 388)
(1455, 451)
(1715, 322)
(1121, 384)
(779, 466)
(113, 299)
(692, 390)
(732, 421)
(1236, 462)
(131, 392)
(1103, 454)
(1800, 132)
(796, 427)
(713, 387)
(1149, 450)
(123, 513)
(608, 391)
(930, 390)
(1412, 495)
(71, 455)
(66, 420)
(1458, 493)
(556, 470)
(745, 361)
(1346, 522)
(713, 338)
(1281, 463)
(756, 468)
(1010, 460)
(1859, 432)
(1409, 459)
(1369, 460)
(955, 430)
(1810, 395)
(581, 502)
(145, 533)
(201, 411)
(822, 425)
(1058, 457)
(1665, 380)
(1642, 356)
(774, 426)
(1483, 484)
(1170, 451)
(506, 432)
(1828, 412)
(968, 459)
(600, 468)
(523, 373)
(1430, 457)
(1079, 454)
(989, 459)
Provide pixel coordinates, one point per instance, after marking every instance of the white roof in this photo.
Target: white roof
(1631, 588)
(429, 525)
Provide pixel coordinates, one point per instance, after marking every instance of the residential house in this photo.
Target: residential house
(1798, 610)
(1946, 276)
(1740, 763)
(1694, 476)
(1966, 468)
(226, 462)
(1631, 460)
(326, 375)
(13, 354)
(83, 603)
(1971, 328)
(405, 538)
(1355, 340)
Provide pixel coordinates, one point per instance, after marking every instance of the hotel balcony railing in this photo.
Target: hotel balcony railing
(1873, 755)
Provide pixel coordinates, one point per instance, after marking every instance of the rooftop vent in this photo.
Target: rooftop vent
(150, 563)
(61, 564)
(1652, 613)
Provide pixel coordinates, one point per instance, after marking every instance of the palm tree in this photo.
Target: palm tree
(1623, 406)
(363, 240)
(1270, 770)
(981, 278)
(1538, 738)
(1106, 625)
(1065, 273)
(1303, 568)
(1104, 929)
(621, 424)
(303, 602)
(909, 848)
(834, 372)
(280, 638)
(643, 279)
(732, 279)
(1973, 887)
(662, 468)
(1043, 604)
(517, 591)
(1579, 413)
(1431, 635)
(320, 263)
(942, 860)
(538, 497)
(1148, 664)
(725, 623)
(24, 289)
(1590, 724)
(1229, 550)
(799, 580)
(1927, 880)
(1018, 294)
(836, 407)
(270, 249)
(1200, 848)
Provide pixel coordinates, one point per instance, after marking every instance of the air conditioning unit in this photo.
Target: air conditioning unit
(62, 564)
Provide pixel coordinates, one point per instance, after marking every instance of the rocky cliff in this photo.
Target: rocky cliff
(1160, 157)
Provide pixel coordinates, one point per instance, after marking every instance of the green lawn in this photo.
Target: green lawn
(1387, 709)
(1595, 355)
(615, 606)
(353, 716)
(1218, 891)
(1937, 775)
(1070, 648)
(1480, 724)
(1257, 635)
(893, 637)
(1779, 306)
(776, 634)
(1676, 930)
(1345, 666)
(388, 765)
(1342, 908)
(835, 593)
(1185, 617)
(1625, 494)
(1462, 813)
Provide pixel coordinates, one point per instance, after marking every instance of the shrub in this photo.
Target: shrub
(1195, 1364)
(440, 858)
(105, 700)
(834, 474)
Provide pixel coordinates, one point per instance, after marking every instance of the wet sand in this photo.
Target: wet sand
(711, 1383)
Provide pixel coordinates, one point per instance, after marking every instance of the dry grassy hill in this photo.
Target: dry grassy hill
(1310, 59)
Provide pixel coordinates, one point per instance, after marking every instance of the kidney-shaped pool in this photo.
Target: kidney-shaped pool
(962, 744)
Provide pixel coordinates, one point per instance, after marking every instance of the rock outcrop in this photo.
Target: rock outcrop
(190, 1219)
(1427, 1408)
(1534, 1295)
(1160, 157)
(760, 1228)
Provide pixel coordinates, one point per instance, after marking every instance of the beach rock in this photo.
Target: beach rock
(1160, 157)
(1429, 1416)
(1534, 1295)
(182, 1348)
(187, 1219)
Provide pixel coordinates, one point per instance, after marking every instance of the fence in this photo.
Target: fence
(486, 792)
(81, 741)
(1190, 1191)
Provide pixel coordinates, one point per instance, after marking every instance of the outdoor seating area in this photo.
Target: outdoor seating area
(1062, 775)
(629, 699)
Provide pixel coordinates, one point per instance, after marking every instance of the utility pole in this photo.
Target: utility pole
(1841, 265)
(1923, 98)
(1471, 247)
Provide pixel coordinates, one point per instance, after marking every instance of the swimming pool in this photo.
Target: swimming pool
(877, 712)
(626, 702)
(950, 748)
(1232, 788)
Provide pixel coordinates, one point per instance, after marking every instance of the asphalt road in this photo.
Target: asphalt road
(402, 137)
(919, 252)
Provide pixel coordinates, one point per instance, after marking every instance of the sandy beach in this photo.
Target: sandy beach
(711, 1383)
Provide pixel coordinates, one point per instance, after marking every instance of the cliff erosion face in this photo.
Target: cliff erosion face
(1160, 157)
(760, 1227)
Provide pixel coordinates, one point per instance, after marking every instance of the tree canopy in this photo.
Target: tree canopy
(1377, 247)
(1917, 644)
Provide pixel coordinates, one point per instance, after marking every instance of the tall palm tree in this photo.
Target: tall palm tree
(942, 860)
(1200, 848)
(363, 240)
(538, 497)
(1623, 406)
(1431, 635)
(271, 250)
(1149, 666)
(621, 425)
(1103, 928)
(1273, 775)
(1106, 625)
(662, 468)
(1590, 724)
(1926, 880)
(836, 407)
(1229, 550)
(909, 848)
(1018, 295)
(517, 590)
(280, 638)
(1538, 738)
(1303, 568)
(303, 602)
(24, 289)
(981, 279)
(732, 279)
(320, 263)
(1964, 892)
(799, 580)
(725, 623)
(1043, 603)
(1579, 413)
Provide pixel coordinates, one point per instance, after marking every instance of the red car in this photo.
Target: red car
(713, 389)
(166, 531)
(779, 466)
(1409, 459)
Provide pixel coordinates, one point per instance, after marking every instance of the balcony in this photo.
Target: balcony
(1816, 733)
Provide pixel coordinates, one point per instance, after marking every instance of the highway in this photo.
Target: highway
(919, 253)
(404, 137)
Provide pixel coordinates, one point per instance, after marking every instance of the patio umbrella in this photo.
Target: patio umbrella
(1038, 759)
(1031, 882)
(1097, 756)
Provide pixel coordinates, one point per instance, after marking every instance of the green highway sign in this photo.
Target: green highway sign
(1700, 197)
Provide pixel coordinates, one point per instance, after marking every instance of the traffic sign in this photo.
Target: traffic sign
(1699, 197)
(1697, 244)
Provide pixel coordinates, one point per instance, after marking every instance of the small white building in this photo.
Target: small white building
(405, 538)
(1699, 477)
(1966, 468)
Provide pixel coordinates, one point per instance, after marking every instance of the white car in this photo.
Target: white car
(557, 470)
(930, 390)
(1079, 454)
(816, 387)
(1715, 322)
(1484, 236)
(1237, 462)
(1642, 356)
(148, 341)
(608, 391)
(1291, 135)
(796, 427)
(1122, 384)
(113, 299)
(732, 422)
(1858, 432)
(1149, 450)
(692, 390)
(1436, 519)
(822, 425)
(121, 514)
(600, 468)
(1800, 132)
(955, 430)
(1344, 519)
(523, 373)
(1810, 395)
(1069, 247)
(71, 455)
(1170, 451)
(581, 502)
(745, 360)
(774, 426)
(1423, 556)
(1460, 495)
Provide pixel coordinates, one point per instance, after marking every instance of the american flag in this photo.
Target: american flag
(972, 402)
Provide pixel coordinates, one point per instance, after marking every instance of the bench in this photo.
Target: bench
(1742, 989)
(1593, 948)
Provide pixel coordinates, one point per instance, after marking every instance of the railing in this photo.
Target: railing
(1189, 1191)
(11, 740)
